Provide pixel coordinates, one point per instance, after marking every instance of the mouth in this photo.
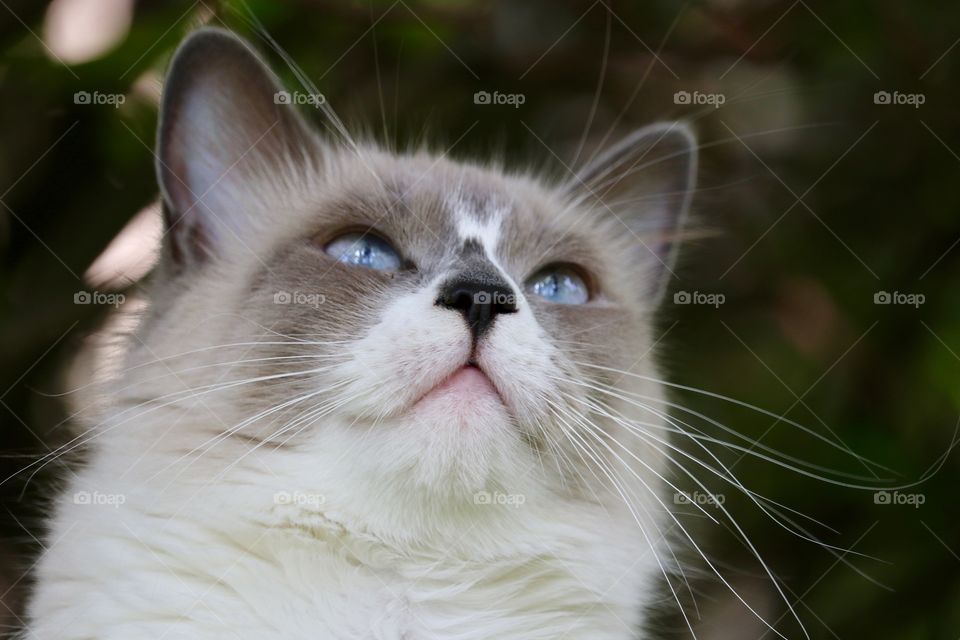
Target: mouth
(465, 384)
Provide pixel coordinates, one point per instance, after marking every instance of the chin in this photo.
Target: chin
(456, 439)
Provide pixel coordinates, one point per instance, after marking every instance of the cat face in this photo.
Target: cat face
(415, 321)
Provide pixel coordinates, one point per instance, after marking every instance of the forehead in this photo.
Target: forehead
(423, 203)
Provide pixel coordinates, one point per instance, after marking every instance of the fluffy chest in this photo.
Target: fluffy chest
(347, 587)
(306, 583)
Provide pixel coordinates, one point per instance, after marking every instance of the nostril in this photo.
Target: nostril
(479, 301)
(456, 298)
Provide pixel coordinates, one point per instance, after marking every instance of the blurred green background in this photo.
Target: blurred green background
(816, 194)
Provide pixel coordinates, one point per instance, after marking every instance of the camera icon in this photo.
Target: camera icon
(282, 497)
(282, 297)
(882, 97)
(81, 497)
(282, 97)
(481, 97)
(82, 297)
(682, 97)
(482, 297)
(882, 297)
(82, 97)
(482, 497)
(881, 497)
(681, 297)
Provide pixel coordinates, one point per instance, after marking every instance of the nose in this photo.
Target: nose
(479, 301)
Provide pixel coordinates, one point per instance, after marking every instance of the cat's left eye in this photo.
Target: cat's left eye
(364, 250)
(560, 284)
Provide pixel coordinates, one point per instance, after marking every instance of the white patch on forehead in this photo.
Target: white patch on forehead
(483, 226)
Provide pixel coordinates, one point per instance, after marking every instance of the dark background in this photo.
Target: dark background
(799, 333)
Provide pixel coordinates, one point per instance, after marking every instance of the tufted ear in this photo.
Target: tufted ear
(223, 124)
(646, 181)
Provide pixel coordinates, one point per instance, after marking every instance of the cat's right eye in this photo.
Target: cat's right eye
(364, 250)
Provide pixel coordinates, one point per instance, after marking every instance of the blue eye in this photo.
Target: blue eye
(364, 250)
(559, 284)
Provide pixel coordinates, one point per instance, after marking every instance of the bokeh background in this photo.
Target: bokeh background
(817, 195)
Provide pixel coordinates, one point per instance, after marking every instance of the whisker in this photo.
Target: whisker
(212, 442)
(693, 543)
(740, 403)
(728, 476)
(85, 438)
(571, 434)
(697, 434)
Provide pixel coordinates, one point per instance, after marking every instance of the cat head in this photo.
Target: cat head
(399, 321)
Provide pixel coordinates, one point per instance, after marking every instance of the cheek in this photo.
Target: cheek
(550, 352)
(595, 334)
(521, 356)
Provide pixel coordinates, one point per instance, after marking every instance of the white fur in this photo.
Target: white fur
(376, 535)
(470, 226)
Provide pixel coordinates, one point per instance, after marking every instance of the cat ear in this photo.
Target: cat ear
(646, 182)
(223, 125)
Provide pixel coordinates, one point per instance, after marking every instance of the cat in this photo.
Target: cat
(375, 394)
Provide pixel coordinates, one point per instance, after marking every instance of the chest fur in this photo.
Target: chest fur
(298, 583)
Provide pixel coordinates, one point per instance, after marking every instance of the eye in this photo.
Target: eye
(560, 284)
(364, 250)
